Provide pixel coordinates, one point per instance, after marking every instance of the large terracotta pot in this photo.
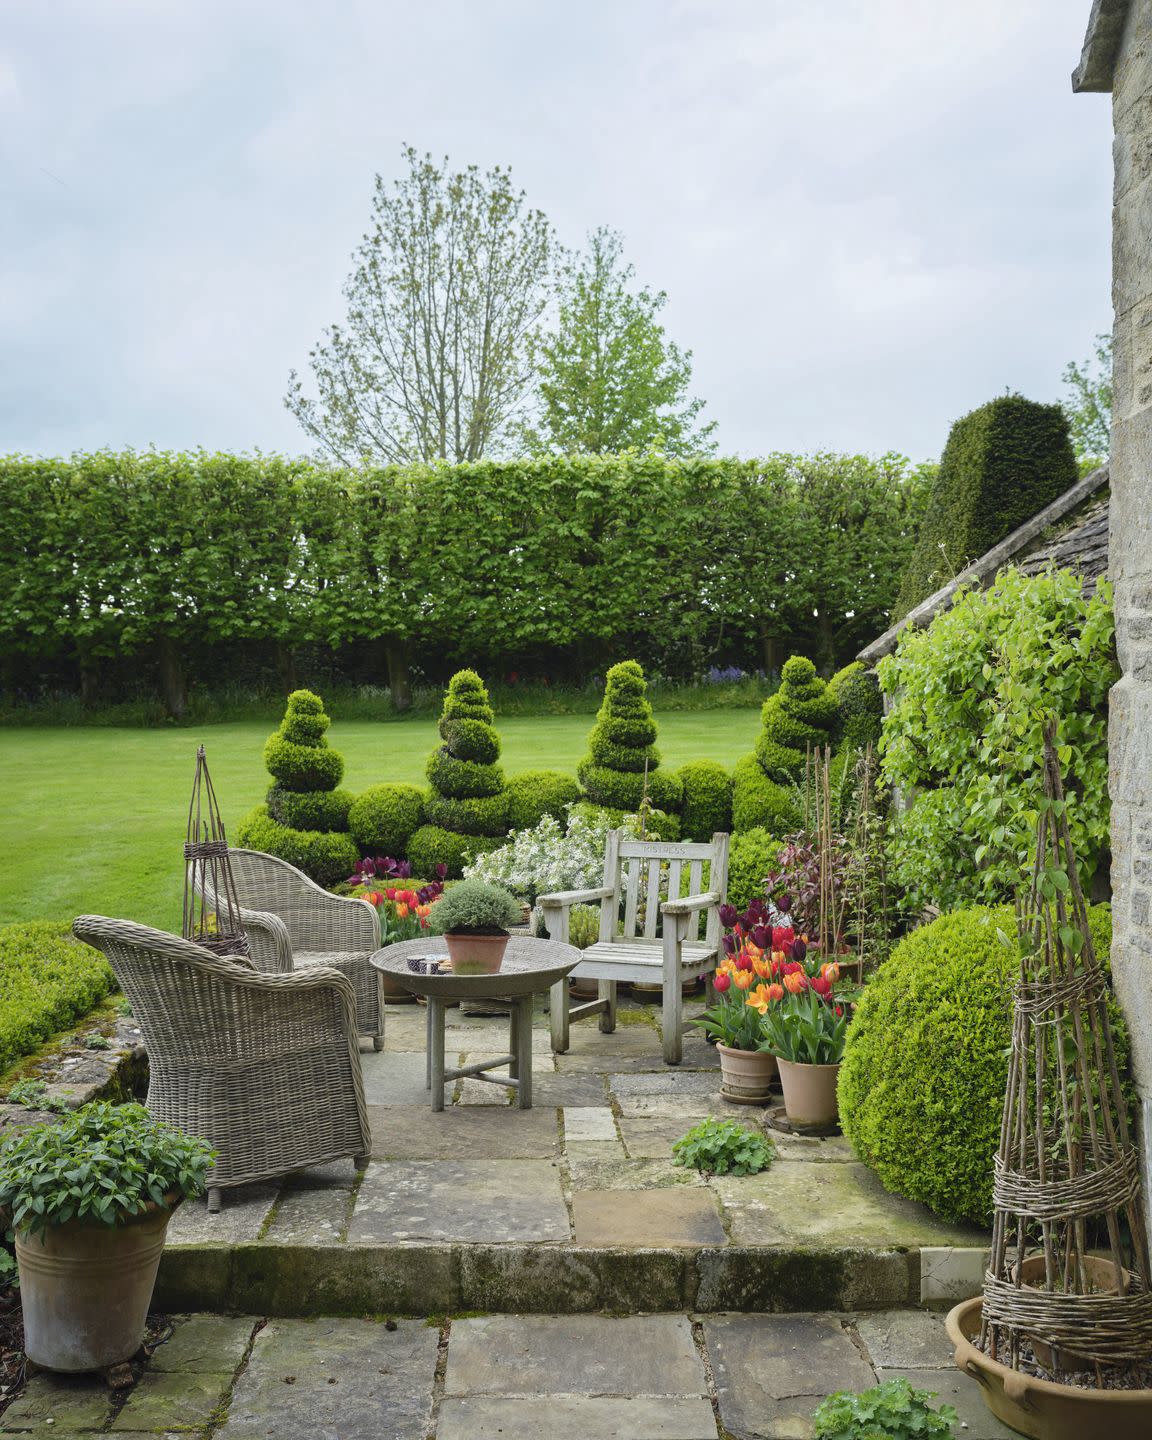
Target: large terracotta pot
(746, 1075)
(809, 1094)
(1044, 1409)
(85, 1289)
(476, 954)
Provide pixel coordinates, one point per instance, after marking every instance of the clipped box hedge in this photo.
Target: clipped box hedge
(48, 979)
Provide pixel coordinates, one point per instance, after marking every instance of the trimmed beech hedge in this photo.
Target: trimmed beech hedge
(926, 1064)
(48, 979)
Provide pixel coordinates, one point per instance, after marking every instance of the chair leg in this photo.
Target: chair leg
(361, 1162)
(606, 990)
(558, 1016)
(378, 1040)
(215, 1200)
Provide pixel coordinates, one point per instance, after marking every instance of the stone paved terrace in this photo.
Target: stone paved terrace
(505, 1377)
(572, 1206)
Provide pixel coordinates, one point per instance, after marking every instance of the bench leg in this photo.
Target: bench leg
(606, 990)
(673, 1009)
(558, 1016)
(214, 1200)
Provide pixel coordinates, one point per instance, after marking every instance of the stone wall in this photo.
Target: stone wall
(1130, 542)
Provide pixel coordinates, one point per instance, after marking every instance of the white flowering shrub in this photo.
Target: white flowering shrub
(551, 856)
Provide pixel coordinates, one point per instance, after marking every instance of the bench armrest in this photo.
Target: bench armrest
(562, 899)
(692, 902)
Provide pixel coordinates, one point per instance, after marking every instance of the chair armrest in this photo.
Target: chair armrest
(269, 944)
(562, 899)
(692, 902)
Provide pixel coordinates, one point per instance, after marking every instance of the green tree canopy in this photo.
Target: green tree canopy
(447, 291)
(1088, 405)
(610, 379)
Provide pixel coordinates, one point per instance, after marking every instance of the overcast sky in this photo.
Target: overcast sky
(869, 215)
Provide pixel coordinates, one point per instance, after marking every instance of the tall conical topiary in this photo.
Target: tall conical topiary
(801, 715)
(622, 745)
(305, 818)
(467, 805)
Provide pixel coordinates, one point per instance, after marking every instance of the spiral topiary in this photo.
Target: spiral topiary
(799, 717)
(922, 1084)
(621, 746)
(305, 817)
(855, 690)
(466, 809)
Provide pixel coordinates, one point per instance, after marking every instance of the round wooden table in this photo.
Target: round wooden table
(529, 967)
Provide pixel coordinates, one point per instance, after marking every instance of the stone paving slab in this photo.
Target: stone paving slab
(911, 1339)
(574, 1355)
(473, 1200)
(345, 1379)
(181, 1399)
(800, 1204)
(209, 1343)
(772, 1371)
(590, 1123)
(584, 1417)
(652, 1137)
(976, 1421)
(245, 1209)
(600, 1167)
(54, 1403)
(482, 1132)
(309, 1217)
(673, 1216)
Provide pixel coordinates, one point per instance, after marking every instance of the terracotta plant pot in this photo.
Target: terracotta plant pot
(1044, 1409)
(393, 993)
(746, 1075)
(86, 1289)
(476, 954)
(809, 1095)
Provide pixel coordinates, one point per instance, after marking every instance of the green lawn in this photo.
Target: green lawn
(93, 820)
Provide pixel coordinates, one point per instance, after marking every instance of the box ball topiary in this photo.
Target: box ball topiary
(327, 856)
(761, 803)
(432, 845)
(532, 794)
(751, 855)
(473, 815)
(706, 804)
(926, 1064)
(310, 809)
(859, 705)
(383, 818)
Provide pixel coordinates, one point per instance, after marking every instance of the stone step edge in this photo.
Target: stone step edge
(447, 1279)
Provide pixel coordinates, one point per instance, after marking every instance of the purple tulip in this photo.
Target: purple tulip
(761, 937)
(799, 949)
(728, 916)
(729, 945)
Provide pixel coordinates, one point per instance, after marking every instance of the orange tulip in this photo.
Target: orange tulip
(762, 967)
(830, 972)
(796, 983)
(759, 999)
(742, 979)
(776, 992)
(401, 911)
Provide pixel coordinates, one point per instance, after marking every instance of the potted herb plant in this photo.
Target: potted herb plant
(90, 1199)
(806, 1030)
(475, 918)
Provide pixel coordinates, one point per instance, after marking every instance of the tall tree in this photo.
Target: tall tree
(444, 301)
(1089, 404)
(610, 379)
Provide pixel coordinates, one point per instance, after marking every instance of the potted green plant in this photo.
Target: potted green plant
(806, 1029)
(475, 917)
(90, 1198)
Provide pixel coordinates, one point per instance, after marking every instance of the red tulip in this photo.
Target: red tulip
(721, 982)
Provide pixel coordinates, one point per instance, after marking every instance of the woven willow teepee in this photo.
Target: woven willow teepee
(211, 909)
(1069, 1269)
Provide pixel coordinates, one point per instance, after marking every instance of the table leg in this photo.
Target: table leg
(436, 1050)
(514, 1038)
(428, 1046)
(523, 1051)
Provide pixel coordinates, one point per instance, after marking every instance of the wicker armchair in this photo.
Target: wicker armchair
(266, 1068)
(292, 923)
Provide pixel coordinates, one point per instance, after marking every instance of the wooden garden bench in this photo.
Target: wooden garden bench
(644, 938)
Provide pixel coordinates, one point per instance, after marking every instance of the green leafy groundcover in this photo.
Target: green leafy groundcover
(48, 979)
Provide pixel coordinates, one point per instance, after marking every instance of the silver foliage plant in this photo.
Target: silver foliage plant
(552, 856)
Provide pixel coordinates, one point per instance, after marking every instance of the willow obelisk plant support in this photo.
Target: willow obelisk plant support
(208, 872)
(1067, 1176)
